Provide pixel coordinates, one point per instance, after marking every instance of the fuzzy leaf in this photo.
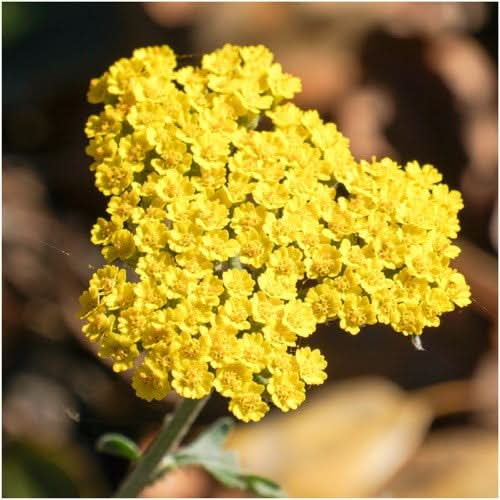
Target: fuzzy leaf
(263, 487)
(207, 452)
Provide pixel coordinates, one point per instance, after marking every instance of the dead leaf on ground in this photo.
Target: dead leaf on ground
(452, 463)
(346, 441)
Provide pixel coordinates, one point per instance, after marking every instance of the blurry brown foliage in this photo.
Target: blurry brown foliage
(409, 80)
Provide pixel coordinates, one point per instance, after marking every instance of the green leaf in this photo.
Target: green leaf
(206, 451)
(118, 445)
(263, 487)
(228, 477)
(212, 438)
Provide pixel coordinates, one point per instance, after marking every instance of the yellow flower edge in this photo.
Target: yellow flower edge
(226, 245)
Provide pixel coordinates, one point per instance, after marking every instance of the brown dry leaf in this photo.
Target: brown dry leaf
(326, 74)
(466, 68)
(484, 388)
(367, 136)
(171, 14)
(346, 441)
(458, 463)
(480, 269)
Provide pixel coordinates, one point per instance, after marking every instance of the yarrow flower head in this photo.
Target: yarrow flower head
(227, 245)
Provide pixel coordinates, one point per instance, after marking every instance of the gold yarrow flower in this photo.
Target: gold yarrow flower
(227, 245)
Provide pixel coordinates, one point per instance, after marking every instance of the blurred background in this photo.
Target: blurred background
(409, 80)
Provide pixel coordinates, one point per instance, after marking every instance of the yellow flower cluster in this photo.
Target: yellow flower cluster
(235, 244)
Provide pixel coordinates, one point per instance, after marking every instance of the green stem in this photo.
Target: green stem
(173, 429)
